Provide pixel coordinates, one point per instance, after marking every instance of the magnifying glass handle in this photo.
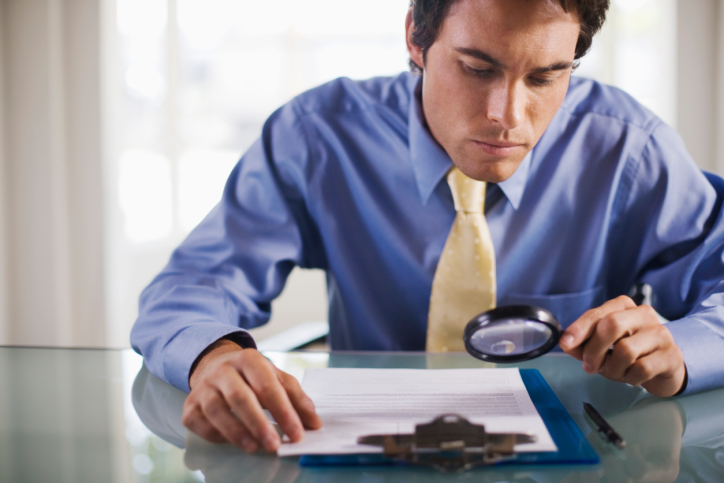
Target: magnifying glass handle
(642, 294)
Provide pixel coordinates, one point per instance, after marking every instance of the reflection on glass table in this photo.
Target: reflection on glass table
(668, 439)
(70, 415)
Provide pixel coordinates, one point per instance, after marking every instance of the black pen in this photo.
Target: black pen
(608, 433)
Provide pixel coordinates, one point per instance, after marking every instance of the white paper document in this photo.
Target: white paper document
(358, 402)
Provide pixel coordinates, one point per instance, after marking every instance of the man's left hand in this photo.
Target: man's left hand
(627, 343)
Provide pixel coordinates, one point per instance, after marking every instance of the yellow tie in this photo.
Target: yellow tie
(464, 283)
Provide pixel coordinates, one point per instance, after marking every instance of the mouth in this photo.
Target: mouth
(498, 148)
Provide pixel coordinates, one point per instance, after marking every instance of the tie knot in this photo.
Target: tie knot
(468, 194)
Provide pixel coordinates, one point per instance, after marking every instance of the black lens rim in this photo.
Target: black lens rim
(527, 312)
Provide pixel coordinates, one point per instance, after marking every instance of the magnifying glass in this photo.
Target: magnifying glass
(512, 333)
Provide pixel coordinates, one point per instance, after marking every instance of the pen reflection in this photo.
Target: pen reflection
(667, 440)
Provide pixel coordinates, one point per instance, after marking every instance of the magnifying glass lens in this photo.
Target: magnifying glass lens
(511, 336)
(511, 333)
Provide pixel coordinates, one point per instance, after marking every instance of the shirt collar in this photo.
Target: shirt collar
(431, 163)
(514, 186)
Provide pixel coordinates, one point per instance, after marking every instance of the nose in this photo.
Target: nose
(506, 104)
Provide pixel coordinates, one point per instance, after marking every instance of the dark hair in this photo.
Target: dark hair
(428, 16)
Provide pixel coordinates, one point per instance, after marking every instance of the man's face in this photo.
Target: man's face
(494, 78)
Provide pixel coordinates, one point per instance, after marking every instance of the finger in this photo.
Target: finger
(608, 331)
(196, 422)
(272, 395)
(614, 328)
(662, 372)
(627, 351)
(580, 330)
(302, 403)
(218, 413)
(245, 404)
(646, 368)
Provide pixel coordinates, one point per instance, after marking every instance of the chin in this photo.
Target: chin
(483, 166)
(489, 171)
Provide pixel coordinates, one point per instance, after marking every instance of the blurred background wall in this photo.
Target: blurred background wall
(120, 120)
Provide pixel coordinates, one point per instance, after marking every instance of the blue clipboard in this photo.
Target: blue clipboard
(573, 449)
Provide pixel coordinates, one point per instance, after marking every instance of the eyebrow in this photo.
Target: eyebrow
(479, 54)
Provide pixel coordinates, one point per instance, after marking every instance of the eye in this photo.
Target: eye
(479, 72)
(541, 81)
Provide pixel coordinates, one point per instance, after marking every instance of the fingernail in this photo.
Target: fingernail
(587, 367)
(295, 434)
(567, 340)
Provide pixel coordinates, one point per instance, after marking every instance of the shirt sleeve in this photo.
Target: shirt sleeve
(676, 223)
(222, 279)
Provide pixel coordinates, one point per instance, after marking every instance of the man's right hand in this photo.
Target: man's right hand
(231, 387)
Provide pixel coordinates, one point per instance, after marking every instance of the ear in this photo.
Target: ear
(414, 51)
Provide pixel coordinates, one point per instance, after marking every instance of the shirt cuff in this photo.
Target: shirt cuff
(183, 350)
(703, 354)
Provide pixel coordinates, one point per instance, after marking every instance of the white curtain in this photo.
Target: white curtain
(700, 80)
(51, 170)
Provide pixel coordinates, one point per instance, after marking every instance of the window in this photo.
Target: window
(636, 51)
(197, 80)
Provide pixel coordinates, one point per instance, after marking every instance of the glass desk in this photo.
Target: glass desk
(98, 416)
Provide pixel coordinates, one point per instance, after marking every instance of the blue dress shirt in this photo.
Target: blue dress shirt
(346, 178)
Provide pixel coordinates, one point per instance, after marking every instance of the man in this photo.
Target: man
(588, 193)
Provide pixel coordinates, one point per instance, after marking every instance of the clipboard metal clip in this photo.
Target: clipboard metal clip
(449, 443)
